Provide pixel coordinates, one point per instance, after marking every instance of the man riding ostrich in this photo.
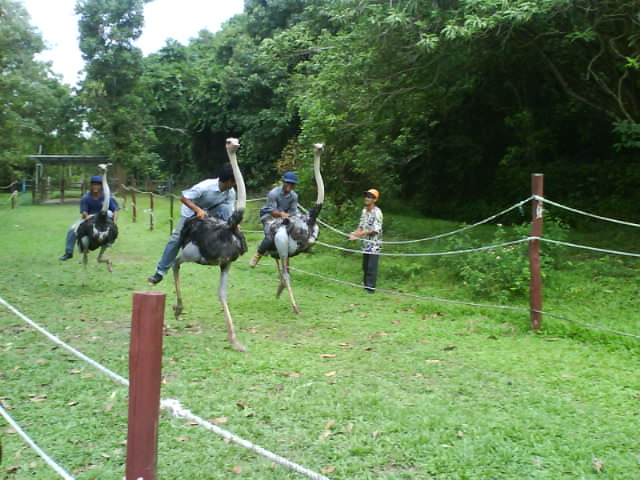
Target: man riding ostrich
(289, 235)
(213, 241)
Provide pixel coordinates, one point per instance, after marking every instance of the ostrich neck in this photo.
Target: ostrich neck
(318, 177)
(106, 191)
(242, 193)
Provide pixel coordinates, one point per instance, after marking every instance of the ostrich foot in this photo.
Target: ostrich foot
(109, 263)
(238, 347)
(280, 289)
(296, 310)
(177, 310)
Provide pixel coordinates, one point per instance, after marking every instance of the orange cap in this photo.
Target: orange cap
(374, 192)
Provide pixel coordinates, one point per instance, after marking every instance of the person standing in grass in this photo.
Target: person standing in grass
(369, 232)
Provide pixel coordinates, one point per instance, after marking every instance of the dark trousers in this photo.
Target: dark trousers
(370, 270)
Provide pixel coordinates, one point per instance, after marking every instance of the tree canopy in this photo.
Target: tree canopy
(446, 104)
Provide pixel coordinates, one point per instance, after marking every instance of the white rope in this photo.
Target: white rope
(48, 460)
(174, 405)
(176, 409)
(430, 254)
(471, 304)
(69, 348)
(585, 247)
(440, 235)
(581, 212)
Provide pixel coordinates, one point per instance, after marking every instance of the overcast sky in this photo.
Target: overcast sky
(163, 19)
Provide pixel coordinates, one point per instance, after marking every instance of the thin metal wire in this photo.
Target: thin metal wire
(176, 409)
(48, 460)
(581, 212)
(440, 235)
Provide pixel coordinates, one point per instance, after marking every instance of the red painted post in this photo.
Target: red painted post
(145, 360)
(535, 292)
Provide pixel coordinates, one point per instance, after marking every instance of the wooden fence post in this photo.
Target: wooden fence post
(145, 360)
(133, 199)
(150, 210)
(535, 292)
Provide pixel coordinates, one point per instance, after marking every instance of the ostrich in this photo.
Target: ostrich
(297, 234)
(213, 241)
(98, 231)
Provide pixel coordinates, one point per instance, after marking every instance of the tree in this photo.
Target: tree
(38, 111)
(113, 104)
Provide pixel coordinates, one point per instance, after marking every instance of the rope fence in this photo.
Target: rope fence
(171, 405)
(175, 408)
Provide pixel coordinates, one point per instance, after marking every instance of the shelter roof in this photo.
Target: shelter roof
(69, 159)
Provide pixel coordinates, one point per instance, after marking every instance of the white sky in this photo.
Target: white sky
(163, 19)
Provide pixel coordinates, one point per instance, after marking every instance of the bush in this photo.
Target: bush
(503, 273)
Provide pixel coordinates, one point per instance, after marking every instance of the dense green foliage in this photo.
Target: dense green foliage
(448, 104)
(36, 110)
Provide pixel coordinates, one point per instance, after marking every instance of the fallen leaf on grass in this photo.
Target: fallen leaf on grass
(72, 404)
(432, 361)
(345, 344)
(220, 420)
(327, 355)
(330, 374)
(237, 469)
(329, 469)
(37, 398)
(289, 374)
(449, 347)
(598, 465)
(182, 439)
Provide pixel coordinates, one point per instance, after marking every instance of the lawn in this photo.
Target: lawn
(357, 387)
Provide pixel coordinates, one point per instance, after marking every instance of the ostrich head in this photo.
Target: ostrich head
(233, 144)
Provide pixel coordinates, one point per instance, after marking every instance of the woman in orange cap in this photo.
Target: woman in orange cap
(369, 232)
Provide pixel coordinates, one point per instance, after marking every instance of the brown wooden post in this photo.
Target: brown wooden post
(145, 361)
(13, 188)
(133, 198)
(535, 292)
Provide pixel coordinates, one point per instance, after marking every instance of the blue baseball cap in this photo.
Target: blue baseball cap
(96, 179)
(290, 177)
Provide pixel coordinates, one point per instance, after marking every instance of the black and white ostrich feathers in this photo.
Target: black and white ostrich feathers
(98, 231)
(297, 234)
(213, 241)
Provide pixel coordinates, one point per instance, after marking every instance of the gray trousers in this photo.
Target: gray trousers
(370, 270)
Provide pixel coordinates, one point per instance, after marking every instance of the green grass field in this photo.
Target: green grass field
(356, 387)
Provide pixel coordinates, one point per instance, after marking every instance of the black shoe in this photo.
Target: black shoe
(66, 256)
(155, 278)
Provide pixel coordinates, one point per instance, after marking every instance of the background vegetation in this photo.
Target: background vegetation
(447, 104)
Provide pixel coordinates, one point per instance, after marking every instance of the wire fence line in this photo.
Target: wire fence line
(581, 212)
(171, 405)
(47, 459)
(439, 235)
(469, 304)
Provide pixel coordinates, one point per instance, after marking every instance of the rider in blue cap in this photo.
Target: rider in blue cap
(90, 204)
(282, 202)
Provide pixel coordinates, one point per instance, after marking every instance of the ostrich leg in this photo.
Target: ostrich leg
(222, 295)
(100, 260)
(285, 282)
(177, 308)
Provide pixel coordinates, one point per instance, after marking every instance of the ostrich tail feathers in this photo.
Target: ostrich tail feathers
(235, 219)
(314, 212)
